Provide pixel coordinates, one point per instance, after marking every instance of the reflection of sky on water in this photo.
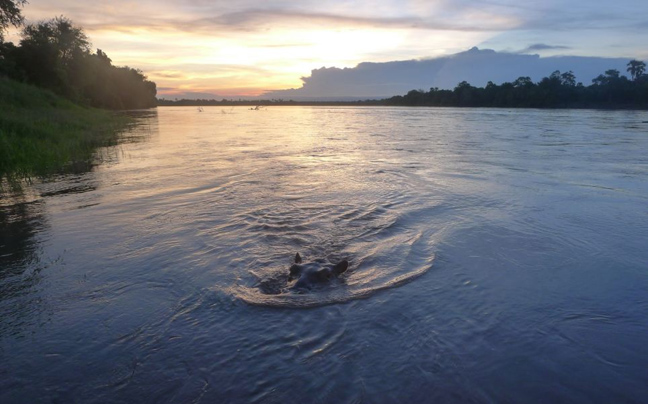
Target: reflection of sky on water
(528, 228)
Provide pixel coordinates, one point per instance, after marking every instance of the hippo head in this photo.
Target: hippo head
(317, 272)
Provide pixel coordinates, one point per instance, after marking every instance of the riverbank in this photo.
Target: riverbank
(41, 133)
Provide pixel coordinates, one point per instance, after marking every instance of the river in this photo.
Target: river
(494, 256)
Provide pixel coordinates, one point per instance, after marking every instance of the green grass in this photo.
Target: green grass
(42, 133)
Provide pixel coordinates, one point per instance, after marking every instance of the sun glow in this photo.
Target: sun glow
(250, 52)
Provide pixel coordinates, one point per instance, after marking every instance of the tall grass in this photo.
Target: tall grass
(40, 133)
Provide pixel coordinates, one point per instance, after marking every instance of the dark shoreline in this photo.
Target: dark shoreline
(378, 103)
(557, 91)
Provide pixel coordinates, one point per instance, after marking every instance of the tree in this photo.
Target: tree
(554, 81)
(10, 15)
(523, 81)
(612, 76)
(636, 69)
(465, 94)
(68, 40)
(568, 79)
(101, 55)
(8, 64)
(51, 51)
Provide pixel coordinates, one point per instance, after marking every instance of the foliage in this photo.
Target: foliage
(10, 15)
(56, 55)
(636, 69)
(558, 90)
(40, 132)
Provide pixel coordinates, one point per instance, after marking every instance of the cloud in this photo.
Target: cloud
(193, 16)
(542, 47)
(246, 15)
(259, 21)
(254, 19)
(378, 80)
(168, 75)
(171, 93)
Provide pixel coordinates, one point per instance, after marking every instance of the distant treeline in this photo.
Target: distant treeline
(559, 90)
(254, 103)
(56, 55)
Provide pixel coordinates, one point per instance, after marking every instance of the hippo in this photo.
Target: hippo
(314, 273)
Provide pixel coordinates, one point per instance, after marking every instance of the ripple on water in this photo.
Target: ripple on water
(365, 277)
(336, 292)
(386, 237)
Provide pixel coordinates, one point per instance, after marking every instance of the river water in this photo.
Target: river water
(495, 256)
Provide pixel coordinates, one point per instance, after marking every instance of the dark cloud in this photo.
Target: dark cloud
(541, 46)
(377, 80)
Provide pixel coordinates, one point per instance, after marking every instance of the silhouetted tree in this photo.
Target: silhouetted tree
(609, 90)
(523, 82)
(613, 74)
(55, 54)
(10, 15)
(49, 49)
(636, 69)
(568, 79)
(466, 94)
(8, 61)
(610, 77)
(103, 57)
(554, 80)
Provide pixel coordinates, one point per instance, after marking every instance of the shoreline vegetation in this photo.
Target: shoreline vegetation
(42, 133)
(610, 90)
(56, 55)
(56, 96)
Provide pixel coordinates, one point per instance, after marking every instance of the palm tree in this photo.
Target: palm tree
(636, 69)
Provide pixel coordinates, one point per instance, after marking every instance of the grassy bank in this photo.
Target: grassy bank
(41, 133)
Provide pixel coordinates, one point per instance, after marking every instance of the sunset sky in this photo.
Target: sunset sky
(230, 48)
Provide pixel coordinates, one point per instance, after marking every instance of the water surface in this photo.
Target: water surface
(496, 256)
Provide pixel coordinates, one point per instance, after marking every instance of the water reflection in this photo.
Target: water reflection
(24, 224)
(145, 123)
(501, 257)
(20, 224)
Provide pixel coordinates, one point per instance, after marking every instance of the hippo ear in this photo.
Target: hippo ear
(341, 267)
(298, 259)
(295, 271)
